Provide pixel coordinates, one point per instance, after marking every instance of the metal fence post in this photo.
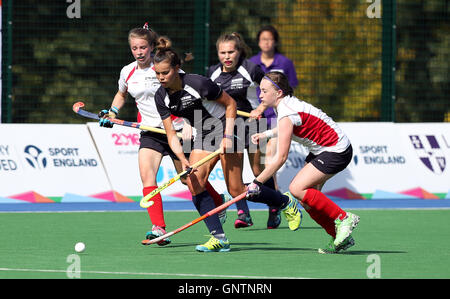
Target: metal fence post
(388, 60)
(201, 36)
(6, 102)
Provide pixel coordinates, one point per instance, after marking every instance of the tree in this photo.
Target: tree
(336, 49)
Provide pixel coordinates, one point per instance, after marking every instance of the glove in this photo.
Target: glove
(253, 189)
(112, 113)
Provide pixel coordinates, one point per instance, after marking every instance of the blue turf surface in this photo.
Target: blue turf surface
(187, 205)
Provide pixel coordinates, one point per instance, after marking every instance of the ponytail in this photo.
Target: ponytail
(165, 52)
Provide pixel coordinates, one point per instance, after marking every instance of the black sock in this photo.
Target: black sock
(271, 198)
(271, 184)
(204, 203)
(242, 205)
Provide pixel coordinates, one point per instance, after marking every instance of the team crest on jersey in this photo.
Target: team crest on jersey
(237, 83)
(187, 101)
(429, 152)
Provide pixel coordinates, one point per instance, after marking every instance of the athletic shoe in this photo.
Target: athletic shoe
(274, 219)
(331, 248)
(345, 227)
(214, 245)
(223, 214)
(292, 212)
(243, 220)
(157, 231)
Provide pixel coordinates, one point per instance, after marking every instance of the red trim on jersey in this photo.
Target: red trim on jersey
(130, 74)
(316, 130)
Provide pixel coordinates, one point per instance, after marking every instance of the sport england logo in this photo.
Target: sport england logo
(34, 157)
(429, 152)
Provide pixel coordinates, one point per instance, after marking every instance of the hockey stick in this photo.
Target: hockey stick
(243, 113)
(77, 109)
(206, 215)
(146, 202)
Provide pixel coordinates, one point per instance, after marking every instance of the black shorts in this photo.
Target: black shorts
(329, 162)
(210, 139)
(157, 142)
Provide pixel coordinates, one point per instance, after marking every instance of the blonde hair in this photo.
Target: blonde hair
(145, 33)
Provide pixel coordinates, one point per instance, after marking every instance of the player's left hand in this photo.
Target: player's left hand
(104, 121)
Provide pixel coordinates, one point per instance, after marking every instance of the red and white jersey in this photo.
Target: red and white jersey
(312, 127)
(142, 85)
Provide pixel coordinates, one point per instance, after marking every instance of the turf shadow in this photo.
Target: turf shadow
(280, 228)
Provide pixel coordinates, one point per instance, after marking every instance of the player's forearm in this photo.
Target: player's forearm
(271, 168)
(230, 114)
(119, 100)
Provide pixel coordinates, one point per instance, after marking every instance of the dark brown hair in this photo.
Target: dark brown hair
(164, 52)
(281, 82)
(241, 46)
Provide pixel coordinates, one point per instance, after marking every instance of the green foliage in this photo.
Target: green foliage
(336, 49)
(423, 61)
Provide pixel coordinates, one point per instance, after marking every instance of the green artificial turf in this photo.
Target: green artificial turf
(389, 244)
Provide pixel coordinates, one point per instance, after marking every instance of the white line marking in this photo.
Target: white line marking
(151, 274)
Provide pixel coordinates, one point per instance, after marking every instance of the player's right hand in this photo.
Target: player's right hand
(256, 137)
(253, 189)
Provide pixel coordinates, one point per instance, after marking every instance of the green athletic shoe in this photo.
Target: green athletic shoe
(292, 212)
(214, 245)
(331, 248)
(223, 214)
(345, 227)
(156, 232)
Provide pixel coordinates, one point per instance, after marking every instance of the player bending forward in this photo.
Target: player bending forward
(330, 153)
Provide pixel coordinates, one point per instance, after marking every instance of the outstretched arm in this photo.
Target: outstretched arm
(284, 129)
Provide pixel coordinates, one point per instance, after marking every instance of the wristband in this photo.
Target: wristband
(268, 133)
(257, 183)
(227, 136)
(114, 110)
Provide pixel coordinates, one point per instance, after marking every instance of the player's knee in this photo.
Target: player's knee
(298, 193)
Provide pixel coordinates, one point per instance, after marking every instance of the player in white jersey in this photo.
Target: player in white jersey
(139, 80)
(330, 153)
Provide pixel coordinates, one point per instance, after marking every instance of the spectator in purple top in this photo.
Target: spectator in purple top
(270, 59)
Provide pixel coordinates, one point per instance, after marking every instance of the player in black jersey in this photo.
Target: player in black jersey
(240, 77)
(212, 112)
